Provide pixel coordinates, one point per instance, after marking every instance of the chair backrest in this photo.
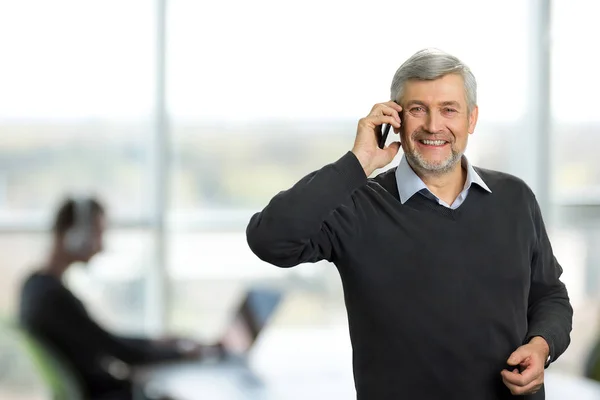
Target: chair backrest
(592, 363)
(54, 370)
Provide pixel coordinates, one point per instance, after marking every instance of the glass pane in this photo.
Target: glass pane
(276, 100)
(75, 107)
(575, 85)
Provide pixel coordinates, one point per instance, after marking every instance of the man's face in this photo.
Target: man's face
(96, 238)
(436, 123)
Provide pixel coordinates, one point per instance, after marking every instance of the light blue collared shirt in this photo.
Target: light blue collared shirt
(409, 183)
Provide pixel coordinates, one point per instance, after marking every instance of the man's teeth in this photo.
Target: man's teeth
(433, 142)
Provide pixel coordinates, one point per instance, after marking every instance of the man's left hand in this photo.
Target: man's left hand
(529, 360)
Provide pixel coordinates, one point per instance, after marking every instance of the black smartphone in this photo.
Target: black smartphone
(384, 131)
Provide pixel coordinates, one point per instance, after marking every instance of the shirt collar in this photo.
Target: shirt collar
(409, 182)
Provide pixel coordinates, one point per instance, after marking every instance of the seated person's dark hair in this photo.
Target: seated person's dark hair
(65, 216)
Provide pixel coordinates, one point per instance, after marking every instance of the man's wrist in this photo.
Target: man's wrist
(544, 347)
(364, 159)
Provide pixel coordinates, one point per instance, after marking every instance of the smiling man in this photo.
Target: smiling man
(450, 282)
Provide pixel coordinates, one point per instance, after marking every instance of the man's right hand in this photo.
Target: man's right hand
(366, 150)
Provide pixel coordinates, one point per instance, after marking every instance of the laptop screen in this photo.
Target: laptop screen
(250, 319)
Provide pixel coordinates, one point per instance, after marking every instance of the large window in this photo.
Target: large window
(576, 129)
(256, 95)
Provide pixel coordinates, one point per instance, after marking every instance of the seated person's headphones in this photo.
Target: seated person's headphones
(78, 238)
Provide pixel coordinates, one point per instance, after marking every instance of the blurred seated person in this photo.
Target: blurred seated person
(53, 314)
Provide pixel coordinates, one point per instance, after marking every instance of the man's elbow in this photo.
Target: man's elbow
(273, 252)
(267, 245)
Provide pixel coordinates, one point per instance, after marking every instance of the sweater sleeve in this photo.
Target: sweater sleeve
(550, 313)
(304, 223)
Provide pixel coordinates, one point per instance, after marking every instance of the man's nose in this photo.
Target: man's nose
(434, 122)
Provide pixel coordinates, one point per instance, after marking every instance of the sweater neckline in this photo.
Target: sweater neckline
(419, 201)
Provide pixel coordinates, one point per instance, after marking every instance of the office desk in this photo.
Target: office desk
(198, 381)
(193, 381)
(318, 369)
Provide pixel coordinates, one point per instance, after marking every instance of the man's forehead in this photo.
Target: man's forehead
(446, 82)
(446, 89)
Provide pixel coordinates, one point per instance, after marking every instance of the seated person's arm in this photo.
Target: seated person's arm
(65, 318)
(135, 341)
(189, 348)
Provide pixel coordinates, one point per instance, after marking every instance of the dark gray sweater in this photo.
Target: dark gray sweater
(437, 299)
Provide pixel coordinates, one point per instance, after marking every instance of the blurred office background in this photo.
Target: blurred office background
(186, 117)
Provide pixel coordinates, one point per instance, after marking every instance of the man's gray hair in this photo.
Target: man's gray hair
(430, 64)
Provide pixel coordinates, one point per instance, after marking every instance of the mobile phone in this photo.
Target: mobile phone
(384, 131)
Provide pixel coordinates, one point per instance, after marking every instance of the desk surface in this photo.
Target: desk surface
(218, 383)
(286, 371)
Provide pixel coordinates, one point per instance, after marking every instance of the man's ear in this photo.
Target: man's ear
(473, 119)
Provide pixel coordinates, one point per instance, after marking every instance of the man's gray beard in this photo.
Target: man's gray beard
(420, 164)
